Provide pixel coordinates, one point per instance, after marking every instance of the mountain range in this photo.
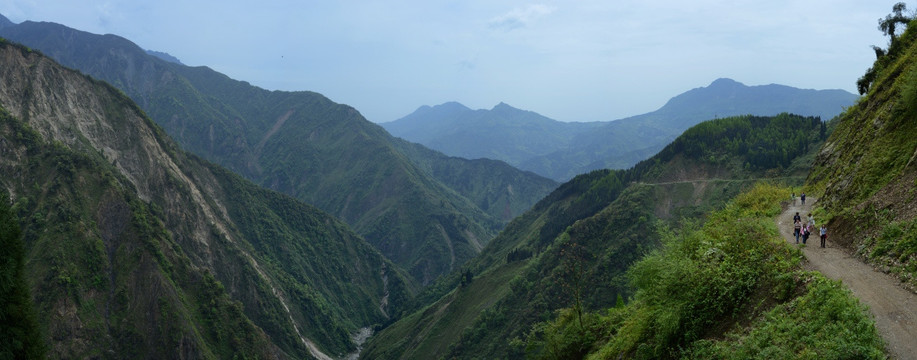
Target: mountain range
(414, 208)
(608, 219)
(136, 249)
(553, 295)
(561, 150)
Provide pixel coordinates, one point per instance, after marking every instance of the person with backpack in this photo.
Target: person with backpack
(803, 198)
(823, 233)
(805, 234)
(797, 228)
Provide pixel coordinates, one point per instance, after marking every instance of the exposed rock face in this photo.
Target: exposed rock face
(307, 146)
(137, 250)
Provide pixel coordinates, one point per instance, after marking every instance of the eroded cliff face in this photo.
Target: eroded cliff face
(397, 196)
(136, 249)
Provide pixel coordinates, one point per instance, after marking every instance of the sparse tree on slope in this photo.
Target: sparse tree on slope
(888, 26)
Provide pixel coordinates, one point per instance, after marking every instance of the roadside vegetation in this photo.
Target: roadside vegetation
(730, 288)
(867, 174)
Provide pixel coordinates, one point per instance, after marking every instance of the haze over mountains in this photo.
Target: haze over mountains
(304, 145)
(561, 150)
(589, 231)
(136, 248)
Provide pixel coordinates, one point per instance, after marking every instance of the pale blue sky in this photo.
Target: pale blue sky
(569, 60)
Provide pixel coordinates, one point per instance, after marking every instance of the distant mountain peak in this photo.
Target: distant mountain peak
(4, 22)
(451, 105)
(446, 107)
(725, 82)
(503, 106)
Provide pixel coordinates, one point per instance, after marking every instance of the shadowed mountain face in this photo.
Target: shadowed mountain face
(136, 249)
(304, 145)
(562, 150)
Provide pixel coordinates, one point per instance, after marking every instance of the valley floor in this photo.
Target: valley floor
(894, 308)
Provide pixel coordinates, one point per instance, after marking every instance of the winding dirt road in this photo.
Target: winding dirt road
(894, 308)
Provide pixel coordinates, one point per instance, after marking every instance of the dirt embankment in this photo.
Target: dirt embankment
(894, 308)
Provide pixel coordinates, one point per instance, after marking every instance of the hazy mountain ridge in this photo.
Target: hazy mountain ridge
(164, 56)
(302, 144)
(560, 150)
(502, 133)
(4, 22)
(136, 249)
(603, 221)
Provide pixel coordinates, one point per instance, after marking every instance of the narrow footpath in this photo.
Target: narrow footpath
(893, 307)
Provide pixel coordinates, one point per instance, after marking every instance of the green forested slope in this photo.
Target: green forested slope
(305, 145)
(867, 171)
(730, 289)
(20, 334)
(135, 249)
(582, 238)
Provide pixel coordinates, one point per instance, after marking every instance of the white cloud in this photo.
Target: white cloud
(520, 17)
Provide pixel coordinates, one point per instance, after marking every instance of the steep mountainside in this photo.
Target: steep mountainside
(304, 145)
(561, 150)
(732, 288)
(20, 333)
(494, 186)
(576, 244)
(135, 249)
(866, 174)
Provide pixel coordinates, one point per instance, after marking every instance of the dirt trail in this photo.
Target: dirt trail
(894, 308)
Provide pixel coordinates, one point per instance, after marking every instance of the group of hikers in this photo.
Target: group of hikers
(804, 229)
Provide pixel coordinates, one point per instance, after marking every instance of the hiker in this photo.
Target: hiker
(797, 227)
(793, 196)
(803, 198)
(797, 217)
(811, 222)
(805, 234)
(823, 233)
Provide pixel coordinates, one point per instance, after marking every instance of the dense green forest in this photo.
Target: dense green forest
(759, 142)
(574, 247)
(20, 335)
